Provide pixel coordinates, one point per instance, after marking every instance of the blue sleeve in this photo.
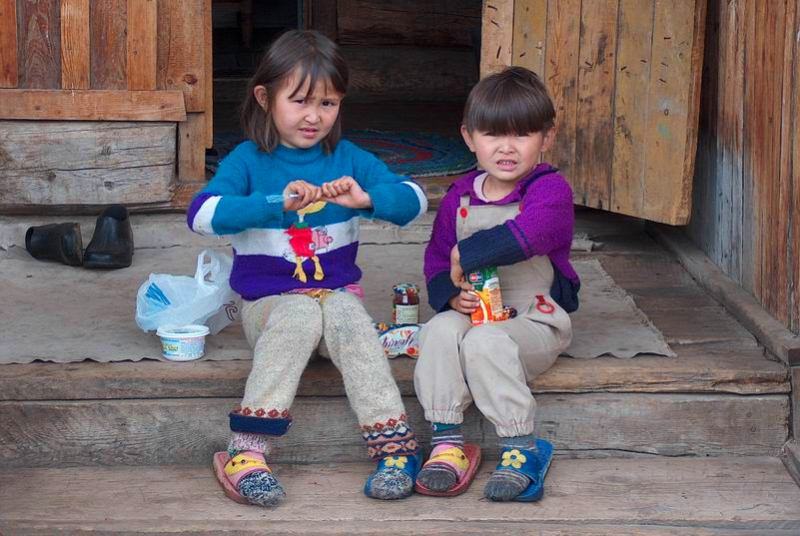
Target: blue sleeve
(496, 246)
(226, 205)
(395, 198)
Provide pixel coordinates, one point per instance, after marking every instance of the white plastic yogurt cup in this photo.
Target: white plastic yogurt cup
(183, 343)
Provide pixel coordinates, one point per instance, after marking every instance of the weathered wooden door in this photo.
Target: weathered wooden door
(118, 92)
(625, 79)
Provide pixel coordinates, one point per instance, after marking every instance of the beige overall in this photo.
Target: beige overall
(493, 363)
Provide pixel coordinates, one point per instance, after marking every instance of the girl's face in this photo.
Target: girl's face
(508, 158)
(302, 122)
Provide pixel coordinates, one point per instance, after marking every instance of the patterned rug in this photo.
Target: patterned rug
(94, 319)
(416, 154)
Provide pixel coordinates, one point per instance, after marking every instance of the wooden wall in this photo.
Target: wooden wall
(410, 50)
(92, 62)
(746, 214)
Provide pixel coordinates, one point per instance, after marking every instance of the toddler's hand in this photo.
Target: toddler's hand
(346, 191)
(456, 271)
(306, 193)
(465, 302)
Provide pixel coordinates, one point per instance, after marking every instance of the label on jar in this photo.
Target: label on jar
(406, 314)
(405, 304)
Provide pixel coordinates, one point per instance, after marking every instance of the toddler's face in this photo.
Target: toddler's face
(303, 122)
(507, 157)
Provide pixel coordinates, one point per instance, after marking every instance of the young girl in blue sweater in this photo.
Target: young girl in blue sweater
(291, 198)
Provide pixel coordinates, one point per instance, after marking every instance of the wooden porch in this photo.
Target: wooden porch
(650, 445)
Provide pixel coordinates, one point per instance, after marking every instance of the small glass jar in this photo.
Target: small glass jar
(405, 307)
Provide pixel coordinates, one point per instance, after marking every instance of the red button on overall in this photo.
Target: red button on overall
(463, 212)
(543, 306)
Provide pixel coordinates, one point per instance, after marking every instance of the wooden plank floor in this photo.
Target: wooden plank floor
(653, 496)
(715, 353)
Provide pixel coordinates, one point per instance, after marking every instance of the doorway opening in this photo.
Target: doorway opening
(411, 63)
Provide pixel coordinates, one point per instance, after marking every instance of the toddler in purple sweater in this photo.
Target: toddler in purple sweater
(515, 214)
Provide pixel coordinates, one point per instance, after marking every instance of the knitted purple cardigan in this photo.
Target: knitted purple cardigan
(543, 227)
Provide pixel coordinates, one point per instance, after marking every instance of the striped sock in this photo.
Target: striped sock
(441, 476)
(447, 433)
(505, 484)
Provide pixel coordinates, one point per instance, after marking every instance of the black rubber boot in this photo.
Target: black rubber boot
(60, 242)
(112, 242)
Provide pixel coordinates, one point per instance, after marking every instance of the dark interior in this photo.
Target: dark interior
(411, 63)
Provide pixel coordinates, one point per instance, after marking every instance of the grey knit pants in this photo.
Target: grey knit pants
(285, 330)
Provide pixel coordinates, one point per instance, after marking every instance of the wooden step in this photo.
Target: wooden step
(651, 496)
(699, 368)
(720, 395)
(188, 430)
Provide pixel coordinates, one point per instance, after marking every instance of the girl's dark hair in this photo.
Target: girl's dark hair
(511, 102)
(315, 58)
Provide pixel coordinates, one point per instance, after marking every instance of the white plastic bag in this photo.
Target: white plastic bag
(206, 298)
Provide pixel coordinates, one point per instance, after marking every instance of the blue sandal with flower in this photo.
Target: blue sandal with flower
(394, 477)
(531, 463)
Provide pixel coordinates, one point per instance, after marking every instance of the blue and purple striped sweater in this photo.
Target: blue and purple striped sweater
(276, 251)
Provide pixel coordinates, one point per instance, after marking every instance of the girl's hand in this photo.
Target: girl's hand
(346, 191)
(306, 193)
(465, 302)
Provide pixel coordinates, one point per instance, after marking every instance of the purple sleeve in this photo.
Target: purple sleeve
(547, 219)
(194, 207)
(437, 254)
(544, 225)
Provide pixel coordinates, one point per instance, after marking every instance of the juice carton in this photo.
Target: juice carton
(486, 282)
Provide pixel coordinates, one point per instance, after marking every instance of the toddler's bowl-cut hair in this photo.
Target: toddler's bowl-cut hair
(512, 102)
(314, 58)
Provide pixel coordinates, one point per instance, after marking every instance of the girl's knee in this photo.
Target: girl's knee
(346, 318)
(342, 304)
(296, 311)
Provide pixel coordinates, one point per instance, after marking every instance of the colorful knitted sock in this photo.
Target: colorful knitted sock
(391, 483)
(260, 487)
(438, 476)
(505, 484)
(394, 446)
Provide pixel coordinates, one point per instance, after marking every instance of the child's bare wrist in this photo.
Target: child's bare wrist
(367, 204)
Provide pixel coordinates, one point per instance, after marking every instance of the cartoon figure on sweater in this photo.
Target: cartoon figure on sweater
(307, 243)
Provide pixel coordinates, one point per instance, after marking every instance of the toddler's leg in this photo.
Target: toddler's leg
(500, 360)
(373, 394)
(285, 330)
(439, 372)
(443, 392)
